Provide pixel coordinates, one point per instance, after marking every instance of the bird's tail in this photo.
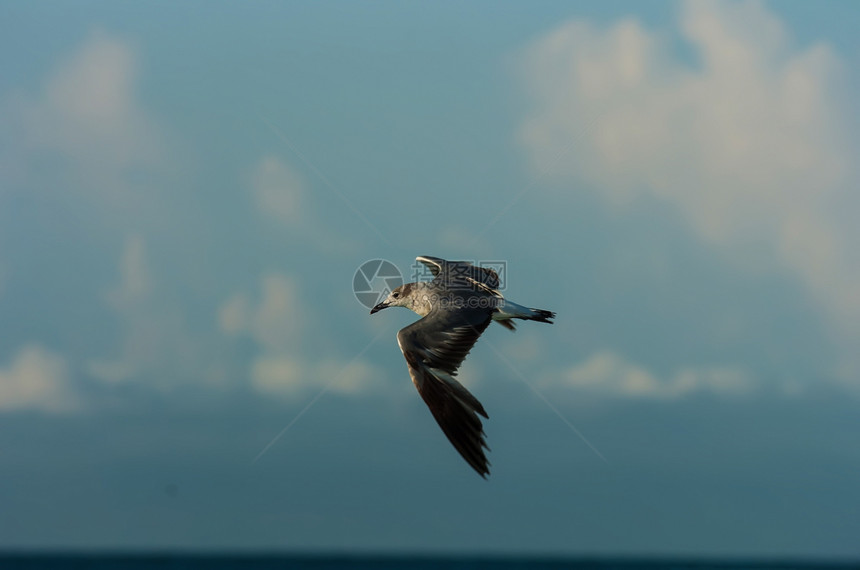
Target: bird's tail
(507, 310)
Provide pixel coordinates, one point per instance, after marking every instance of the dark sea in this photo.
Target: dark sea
(286, 562)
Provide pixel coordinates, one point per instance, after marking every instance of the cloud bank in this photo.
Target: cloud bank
(608, 373)
(37, 379)
(748, 143)
(86, 118)
(285, 340)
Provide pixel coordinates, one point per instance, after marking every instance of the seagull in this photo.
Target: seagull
(456, 306)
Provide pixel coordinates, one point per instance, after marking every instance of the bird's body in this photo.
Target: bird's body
(456, 307)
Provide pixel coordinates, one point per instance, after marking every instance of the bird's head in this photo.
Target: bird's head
(399, 297)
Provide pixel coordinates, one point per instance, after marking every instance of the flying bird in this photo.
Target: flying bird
(456, 307)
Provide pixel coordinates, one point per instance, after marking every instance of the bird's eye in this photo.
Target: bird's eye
(395, 294)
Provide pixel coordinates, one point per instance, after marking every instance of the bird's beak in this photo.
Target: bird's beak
(380, 306)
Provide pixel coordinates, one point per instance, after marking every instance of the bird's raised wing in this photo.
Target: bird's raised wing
(451, 271)
(434, 347)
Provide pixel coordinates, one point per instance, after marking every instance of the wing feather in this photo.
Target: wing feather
(434, 348)
(455, 271)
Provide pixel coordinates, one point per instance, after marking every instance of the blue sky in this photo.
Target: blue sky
(187, 190)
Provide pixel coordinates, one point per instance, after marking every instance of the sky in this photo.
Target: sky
(187, 190)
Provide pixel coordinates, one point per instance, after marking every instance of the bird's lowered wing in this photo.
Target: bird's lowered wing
(434, 347)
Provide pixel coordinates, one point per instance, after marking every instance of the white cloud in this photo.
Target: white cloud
(289, 375)
(37, 379)
(130, 300)
(278, 190)
(111, 371)
(86, 113)
(154, 343)
(608, 373)
(284, 335)
(281, 194)
(350, 378)
(749, 146)
(135, 278)
(234, 315)
(277, 322)
(85, 138)
(277, 375)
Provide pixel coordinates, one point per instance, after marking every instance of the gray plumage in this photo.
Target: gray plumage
(456, 306)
